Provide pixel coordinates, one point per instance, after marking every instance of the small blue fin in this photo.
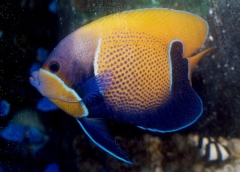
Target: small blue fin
(93, 88)
(96, 130)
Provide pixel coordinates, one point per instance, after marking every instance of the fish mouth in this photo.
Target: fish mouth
(31, 79)
(34, 79)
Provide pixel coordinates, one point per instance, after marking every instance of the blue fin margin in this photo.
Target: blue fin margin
(96, 130)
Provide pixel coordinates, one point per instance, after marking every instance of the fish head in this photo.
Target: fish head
(64, 68)
(67, 60)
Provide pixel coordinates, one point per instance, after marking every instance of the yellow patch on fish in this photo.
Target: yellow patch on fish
(162, 24)
(57, 92)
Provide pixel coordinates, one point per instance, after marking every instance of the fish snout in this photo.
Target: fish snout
(34, 79)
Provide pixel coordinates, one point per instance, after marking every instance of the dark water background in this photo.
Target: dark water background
(28, 25)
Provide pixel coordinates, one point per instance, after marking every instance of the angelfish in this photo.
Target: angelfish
(132, 67)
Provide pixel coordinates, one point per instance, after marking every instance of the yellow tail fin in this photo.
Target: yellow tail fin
(194, 60)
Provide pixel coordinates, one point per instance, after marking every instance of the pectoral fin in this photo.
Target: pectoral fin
(93, 88)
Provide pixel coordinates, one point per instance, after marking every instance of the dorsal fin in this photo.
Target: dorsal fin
(162, 23)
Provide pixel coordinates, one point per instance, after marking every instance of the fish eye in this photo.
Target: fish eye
(54, 66)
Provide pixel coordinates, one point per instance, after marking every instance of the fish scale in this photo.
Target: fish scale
(140, 71)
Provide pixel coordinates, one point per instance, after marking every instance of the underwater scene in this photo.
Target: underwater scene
(119, 86)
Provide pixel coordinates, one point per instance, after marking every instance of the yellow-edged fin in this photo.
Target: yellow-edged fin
(194, 60)
(75, 109)
(164, 24)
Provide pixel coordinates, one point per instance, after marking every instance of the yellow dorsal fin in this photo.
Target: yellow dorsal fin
(194, 60)
(164, 24)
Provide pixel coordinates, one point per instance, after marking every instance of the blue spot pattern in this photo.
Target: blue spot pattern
(42, 54)
(4, 108)
(35, 66)
(13, 132)
(53, 167)
(46, 105)
(53, 6)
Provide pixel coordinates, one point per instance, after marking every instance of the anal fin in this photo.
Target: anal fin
(97, 131)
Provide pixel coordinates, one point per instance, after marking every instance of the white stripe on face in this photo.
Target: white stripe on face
(95, 62)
